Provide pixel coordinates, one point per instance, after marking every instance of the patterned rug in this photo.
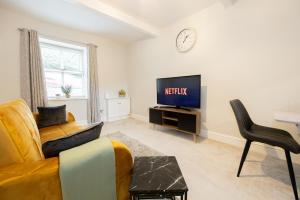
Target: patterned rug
(137, 148)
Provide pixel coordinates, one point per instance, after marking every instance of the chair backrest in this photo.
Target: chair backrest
(19, 136)
(242, 117)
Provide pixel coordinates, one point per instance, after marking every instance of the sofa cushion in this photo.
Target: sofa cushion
(49, 116)
(60, 131)
(54, 147)
(19, 135)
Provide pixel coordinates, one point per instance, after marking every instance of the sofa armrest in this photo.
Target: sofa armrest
(124, 166)
(70, 117)
(31, 181)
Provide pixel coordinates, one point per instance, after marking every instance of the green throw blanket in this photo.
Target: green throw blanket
(87, 172)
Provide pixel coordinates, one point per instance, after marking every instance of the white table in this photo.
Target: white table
(288, 117)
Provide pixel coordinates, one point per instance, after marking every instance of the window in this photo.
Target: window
(64, 65)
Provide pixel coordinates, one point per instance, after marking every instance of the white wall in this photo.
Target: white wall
(249, 50)
(112, 57)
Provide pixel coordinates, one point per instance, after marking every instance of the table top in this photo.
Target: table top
(157, 174)
(292, 118)
(287, 117)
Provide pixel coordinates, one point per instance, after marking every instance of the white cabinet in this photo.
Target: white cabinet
(118, 108)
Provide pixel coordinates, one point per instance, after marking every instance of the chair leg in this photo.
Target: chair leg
(291, 171)
(245, 152)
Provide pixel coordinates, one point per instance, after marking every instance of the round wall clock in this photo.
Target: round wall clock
(186, 39)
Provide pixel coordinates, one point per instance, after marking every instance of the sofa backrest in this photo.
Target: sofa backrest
(19, 135)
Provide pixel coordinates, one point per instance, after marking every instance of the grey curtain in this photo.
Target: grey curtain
(93, 90)
(33, 89)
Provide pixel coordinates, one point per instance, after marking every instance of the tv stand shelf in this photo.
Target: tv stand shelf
(170, 118)
(187, 121)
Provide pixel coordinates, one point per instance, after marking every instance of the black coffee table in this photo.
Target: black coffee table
(157, 177)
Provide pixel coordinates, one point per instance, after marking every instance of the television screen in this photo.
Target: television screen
(184, 91)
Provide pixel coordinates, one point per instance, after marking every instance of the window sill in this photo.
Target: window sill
(66, 99)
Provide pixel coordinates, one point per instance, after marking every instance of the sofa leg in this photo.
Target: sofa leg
(291, 171)
(245, 152)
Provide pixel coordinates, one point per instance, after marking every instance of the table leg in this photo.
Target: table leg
(195, 138)
(185, 196)
(132, 197)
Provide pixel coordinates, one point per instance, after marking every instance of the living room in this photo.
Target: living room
(125, 50)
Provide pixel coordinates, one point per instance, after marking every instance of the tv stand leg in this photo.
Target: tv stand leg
(195, 138)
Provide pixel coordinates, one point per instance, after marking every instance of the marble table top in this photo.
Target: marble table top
(157, 174)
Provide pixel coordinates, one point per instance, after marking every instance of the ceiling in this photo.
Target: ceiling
(159, 13)
(127, 20)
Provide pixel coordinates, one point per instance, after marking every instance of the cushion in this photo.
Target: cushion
(60, 131)
(53, 148)
(19, 136)
(50, 116)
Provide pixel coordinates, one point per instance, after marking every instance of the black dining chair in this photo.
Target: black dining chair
(271, 136)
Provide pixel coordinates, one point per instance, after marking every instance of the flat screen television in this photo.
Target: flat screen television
(183, 91)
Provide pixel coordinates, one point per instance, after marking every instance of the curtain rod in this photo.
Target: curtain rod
(62, 40)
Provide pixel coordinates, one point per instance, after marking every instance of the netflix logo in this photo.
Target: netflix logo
(176, 91)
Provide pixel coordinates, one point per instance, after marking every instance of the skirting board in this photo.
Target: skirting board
(117, 118)
(139, 117)
(235, 141)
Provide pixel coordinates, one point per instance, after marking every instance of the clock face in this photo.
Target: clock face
(186, 40)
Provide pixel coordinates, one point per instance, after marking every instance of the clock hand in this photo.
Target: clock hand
(185, 38)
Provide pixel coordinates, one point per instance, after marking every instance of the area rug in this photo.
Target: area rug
(137, 148)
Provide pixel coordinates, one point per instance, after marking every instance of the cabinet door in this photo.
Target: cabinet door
(187, 122)
(113, 108)
(155, 116)
(124, 107)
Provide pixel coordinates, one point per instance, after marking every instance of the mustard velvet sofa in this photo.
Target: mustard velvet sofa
(25, 173)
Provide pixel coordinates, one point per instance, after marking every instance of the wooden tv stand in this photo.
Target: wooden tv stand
(179, 119)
